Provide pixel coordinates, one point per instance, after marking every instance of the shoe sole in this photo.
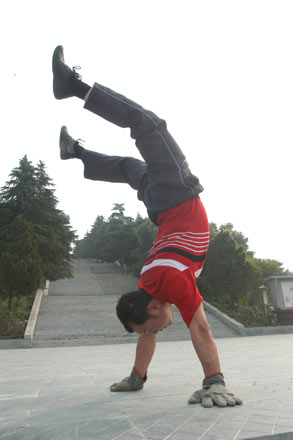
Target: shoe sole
(64, 155)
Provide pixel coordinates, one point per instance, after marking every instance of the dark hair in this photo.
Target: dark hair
(132, 308)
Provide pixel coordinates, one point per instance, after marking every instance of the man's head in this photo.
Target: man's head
(142, 313)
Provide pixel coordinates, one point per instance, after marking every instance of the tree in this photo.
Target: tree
(224, 278)
(237, 237)
(92, 244)
(232, 276)
(119, 238)
(20, 191)
(20, 263)
(259, 270)
(30, 192)
(145, 232)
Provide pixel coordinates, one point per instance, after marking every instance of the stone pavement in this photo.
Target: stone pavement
(81, 310)
(63, 393)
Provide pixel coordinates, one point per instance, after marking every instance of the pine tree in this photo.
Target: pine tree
(20, 191)
(30, 192)
(20, 263)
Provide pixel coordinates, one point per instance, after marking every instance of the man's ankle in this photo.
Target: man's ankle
(78, 149)
(79, 89)
(88, 94)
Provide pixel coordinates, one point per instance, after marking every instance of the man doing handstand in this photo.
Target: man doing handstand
(170, 193)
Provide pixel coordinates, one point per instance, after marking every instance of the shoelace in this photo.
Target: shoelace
(80, 141)
(77, 75)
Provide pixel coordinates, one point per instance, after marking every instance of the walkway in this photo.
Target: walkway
(81, 310)
(62, 393)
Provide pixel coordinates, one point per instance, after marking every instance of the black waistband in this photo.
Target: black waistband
(194, 258)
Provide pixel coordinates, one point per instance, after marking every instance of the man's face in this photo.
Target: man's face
(162, 317)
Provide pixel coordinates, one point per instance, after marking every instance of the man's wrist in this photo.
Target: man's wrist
(144, 378)
(135, 381)
(217, 378)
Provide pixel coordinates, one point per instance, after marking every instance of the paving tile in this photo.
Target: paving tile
(283, 428)
(185, 436)
(261, 419)
(226, 423)
(130, 435)
(14, 419)
(261, 428)
(228, 433)
(286, 421)
(159, 431)
(63, 393)
(265, 412)
(14, 434)
(213, 437)
(284, 436)
(147, 420)
(247, 435)
(197, 426)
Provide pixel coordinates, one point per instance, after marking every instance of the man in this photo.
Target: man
(170, 193)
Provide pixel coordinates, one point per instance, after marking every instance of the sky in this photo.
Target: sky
(219, 72)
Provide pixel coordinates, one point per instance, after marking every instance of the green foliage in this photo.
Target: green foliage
(224, 278)
(145, 232)
(20, 263)
(118, 238)
(109, 240)
(13, 322)
(20, 191)
(35, 236)
(231, 278)
(30, 192)
(238, 238)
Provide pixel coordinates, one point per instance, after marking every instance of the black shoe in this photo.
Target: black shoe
(62, 75)
(66, 143)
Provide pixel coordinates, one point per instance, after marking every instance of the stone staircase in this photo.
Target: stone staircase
(81, 310)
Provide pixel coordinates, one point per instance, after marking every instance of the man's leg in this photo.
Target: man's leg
(116, 169)
(170, 181)
(101, 167)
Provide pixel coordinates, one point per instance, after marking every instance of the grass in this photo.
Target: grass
(13, 323)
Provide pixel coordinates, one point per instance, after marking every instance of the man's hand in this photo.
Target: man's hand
(131, 383)
(214, 392)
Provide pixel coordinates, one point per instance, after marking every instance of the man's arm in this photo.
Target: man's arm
(204, 343)
(214, 390)
(145, 349)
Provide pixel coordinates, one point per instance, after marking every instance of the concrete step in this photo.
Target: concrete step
(81, 310)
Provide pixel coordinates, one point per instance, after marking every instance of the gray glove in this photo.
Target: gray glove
(215, 392)
(131, 383)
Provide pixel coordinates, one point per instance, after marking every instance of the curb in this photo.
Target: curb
(284, 436)
(6, 344)
(234, 325)
(27, 340)
(31, 325)
(241, 330)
